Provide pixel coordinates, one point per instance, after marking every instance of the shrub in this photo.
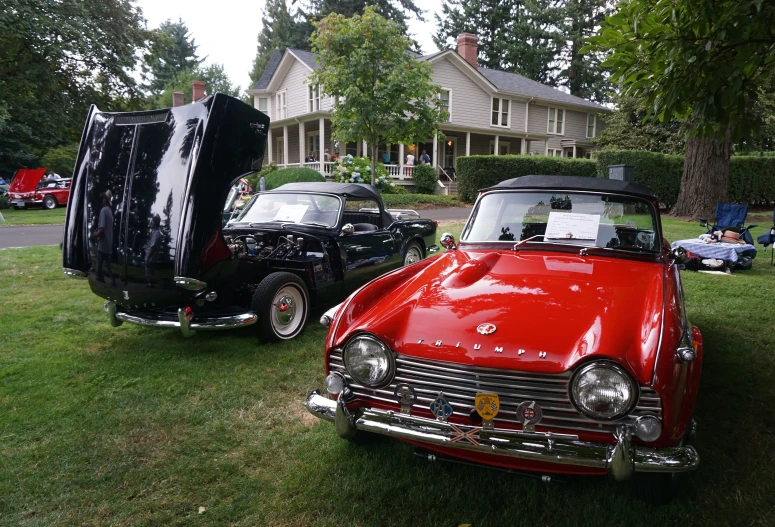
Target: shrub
(292, 175)
(408, 200)
(61, 159)
(351, 169)
(392, 188)
(478, 172)
(255, 177)
(752, 180)
(659, 172)
(425, 179)
(5, 203)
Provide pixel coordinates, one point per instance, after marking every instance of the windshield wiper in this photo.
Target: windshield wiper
(318, 223)
(631, 249)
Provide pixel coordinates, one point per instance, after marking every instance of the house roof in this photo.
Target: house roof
(501, 80)
(513, 82)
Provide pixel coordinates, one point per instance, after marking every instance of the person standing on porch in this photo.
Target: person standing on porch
(326, 156)
(409, 164)
(424, 158)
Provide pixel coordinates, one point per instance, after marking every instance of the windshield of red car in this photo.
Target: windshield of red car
(311, 209)
(568, 218)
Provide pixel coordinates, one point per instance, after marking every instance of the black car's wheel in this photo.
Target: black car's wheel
(653, 488)
(413, 253)
(281, 302)
(50, 202)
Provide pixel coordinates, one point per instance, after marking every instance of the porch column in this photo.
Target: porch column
(285, 144)
(468, 143)
(321, 156)
(495, 146)
(401, 160)
(269, 152)
(574, 151)
(364, 149)
(302, 142)
(523, 149)
(435, 150)
(546, 147)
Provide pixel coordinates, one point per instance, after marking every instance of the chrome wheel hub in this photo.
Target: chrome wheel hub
(286, 310)
(412, 256)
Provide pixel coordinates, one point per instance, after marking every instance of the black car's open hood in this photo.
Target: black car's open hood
(177, 164)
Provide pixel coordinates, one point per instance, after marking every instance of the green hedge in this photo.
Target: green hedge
(425, 179)
(751, 179)
(402, 201)
(477, 172)
(292, 175)
(659, 172)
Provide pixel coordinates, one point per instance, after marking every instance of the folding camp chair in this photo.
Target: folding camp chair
(730, 215)
(768, 238)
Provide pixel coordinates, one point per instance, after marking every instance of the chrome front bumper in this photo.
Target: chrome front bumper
(620, 460)
(186, 321)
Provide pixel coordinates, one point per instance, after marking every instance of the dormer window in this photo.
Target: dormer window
(280, 105)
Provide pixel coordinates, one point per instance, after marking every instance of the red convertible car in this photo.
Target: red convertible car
(31, 188)
(553, 340)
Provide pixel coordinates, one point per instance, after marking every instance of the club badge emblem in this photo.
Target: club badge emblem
(487, 406)
(486, 329)
(458, 433)
(529, 414)
(441, 408)
(406, 397)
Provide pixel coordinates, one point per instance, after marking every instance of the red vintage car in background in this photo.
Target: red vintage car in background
(552, 340)
(31, 188)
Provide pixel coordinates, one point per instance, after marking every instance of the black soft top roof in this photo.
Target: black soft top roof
(356, 190)
(591, 184)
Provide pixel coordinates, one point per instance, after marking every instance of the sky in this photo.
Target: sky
(226, 31)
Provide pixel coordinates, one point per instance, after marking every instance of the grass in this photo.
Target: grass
(33, 216)
(133, 426)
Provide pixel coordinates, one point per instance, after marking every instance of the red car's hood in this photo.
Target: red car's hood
(550, 311)
(26, 180)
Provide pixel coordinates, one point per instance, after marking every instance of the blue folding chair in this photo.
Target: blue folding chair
(730, 215)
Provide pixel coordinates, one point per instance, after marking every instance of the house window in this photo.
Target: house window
(591, 125)
(500, 112)
(263, 104)
(280, 105)
(556, 121)
(445, 101)
(280, 152)
(504, 148)
(314, 98)
(554, 152)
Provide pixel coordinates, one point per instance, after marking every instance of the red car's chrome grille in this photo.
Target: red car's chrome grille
(460, 383)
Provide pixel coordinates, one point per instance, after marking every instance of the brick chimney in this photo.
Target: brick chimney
(177, 99)
(198, 90)
(466, 47)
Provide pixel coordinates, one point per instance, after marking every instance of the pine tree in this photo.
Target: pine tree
(583, 74)
(280, 29)
(172, 52)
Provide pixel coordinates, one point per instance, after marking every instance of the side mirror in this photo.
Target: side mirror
(448, 241)
(348, 228)
(678, 255)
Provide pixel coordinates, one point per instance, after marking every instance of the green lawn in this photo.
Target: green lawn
(134, 426)
(36, 216)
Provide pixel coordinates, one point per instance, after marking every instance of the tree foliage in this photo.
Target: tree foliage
(214, 76)
(172, 51)
(627, 129)
(56, 58)
(61, 159)
(540, 39)
(382, 94)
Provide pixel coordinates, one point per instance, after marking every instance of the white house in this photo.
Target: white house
(490, 112)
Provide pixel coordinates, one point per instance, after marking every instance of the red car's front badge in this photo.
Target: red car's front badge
(486, 328)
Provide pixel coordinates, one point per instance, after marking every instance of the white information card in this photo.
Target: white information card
(572, 226)
(291, 213)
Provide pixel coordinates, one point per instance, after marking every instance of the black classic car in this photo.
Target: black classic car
(145, 226)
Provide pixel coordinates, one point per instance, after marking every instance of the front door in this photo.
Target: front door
(369, 255)
(449, 152)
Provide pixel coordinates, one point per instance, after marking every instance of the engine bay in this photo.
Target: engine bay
(278, 246)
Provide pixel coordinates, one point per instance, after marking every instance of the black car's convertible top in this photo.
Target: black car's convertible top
(575, 183)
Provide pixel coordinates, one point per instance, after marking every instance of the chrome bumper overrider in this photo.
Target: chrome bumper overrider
(186, 321)
(620, 460)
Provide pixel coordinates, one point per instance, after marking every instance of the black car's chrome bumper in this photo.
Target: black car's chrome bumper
(186, 321)
(620, 460)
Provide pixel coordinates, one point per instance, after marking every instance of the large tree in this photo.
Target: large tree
(627, 129)
(582, 73)
(701, 62)
(56, 58)
(172, 52)
(381, 93)
(514, 35)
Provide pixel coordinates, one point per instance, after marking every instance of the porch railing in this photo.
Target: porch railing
(327, 169)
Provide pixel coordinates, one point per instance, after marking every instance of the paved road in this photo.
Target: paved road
(29, 235)
(452, 213)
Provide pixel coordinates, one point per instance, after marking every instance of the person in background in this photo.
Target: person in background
(152, 250)
(311, 158)
(326, 156)
(104, 237)
(386, 158)
(409, 164)
(424, 158)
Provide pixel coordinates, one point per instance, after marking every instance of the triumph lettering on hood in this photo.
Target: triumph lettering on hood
(478, 346)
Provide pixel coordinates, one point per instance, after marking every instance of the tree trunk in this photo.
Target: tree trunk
(705, 180)
(373, 146)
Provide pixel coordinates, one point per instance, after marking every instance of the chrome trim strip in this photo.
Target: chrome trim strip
(661, 325)
(620, 459)
(191, 284)
(74, 273)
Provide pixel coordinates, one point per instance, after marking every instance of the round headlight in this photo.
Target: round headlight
(603, 391)
(368, 361)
